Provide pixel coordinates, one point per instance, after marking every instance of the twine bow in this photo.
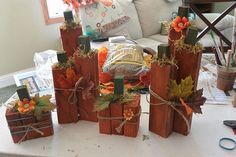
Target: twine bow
(171, 104)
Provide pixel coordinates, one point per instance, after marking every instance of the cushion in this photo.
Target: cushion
(145, 42)
(226, 22)
(101, 17)
(133, 25)
(106, 14)
(152, 12)
(206, 40)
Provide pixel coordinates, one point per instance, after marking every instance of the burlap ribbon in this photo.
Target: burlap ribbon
(169, 103)
(30, 127)
(118, 129)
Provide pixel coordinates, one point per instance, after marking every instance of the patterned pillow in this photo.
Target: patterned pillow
(101, 17)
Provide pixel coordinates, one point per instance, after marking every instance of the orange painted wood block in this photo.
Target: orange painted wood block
(131, 127)
(69, 39)
(161, 116)
(67, 112)
(172, 37)
(116, 111)
(105, 124)
(18, 125)
(88, 68)
(189, 65)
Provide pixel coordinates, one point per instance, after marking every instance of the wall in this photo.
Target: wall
(23, 32)
(220, 7)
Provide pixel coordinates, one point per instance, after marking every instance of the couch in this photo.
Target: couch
(146, 16)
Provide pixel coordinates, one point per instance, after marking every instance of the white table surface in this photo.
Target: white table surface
(83, 139)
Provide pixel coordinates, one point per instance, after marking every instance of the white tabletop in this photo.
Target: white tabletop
(83, 139)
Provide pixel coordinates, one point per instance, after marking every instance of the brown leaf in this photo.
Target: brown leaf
(196, 100)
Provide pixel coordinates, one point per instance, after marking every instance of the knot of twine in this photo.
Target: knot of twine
(73, 98)
(119, 128)
(169, 103)
(29, 127)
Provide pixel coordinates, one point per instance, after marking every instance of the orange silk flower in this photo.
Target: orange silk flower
(128, 114)
(26, 106)
(180, 24)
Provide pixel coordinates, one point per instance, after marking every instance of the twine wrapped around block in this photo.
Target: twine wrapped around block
(118, 129)
(86, 92)
(170, 103)
(30, 127)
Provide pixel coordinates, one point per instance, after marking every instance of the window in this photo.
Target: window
(53, 11)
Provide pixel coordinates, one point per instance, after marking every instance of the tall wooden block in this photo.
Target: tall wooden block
(67, 112)
(161, 116)
(88, 68)
(185, 60)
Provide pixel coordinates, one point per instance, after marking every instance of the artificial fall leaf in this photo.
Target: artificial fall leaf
(182, 90)
(43, 104)
(187, 108)
(196, 100)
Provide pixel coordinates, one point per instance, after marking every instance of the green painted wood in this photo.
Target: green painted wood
(84, 43)
(62, 57)
(23, 92)
(191, 35)
(183, 11)
(163, 51)
(119, 85)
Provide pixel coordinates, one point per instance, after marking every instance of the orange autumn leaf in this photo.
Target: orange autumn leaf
(106, 91)
(128, 86)
(67, 2)
(187, 108)
(104, 77)
(102, 56)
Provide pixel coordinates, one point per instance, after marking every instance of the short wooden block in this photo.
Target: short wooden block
(131, 129)
(116, 111)
(105, 125)
(15, 119)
